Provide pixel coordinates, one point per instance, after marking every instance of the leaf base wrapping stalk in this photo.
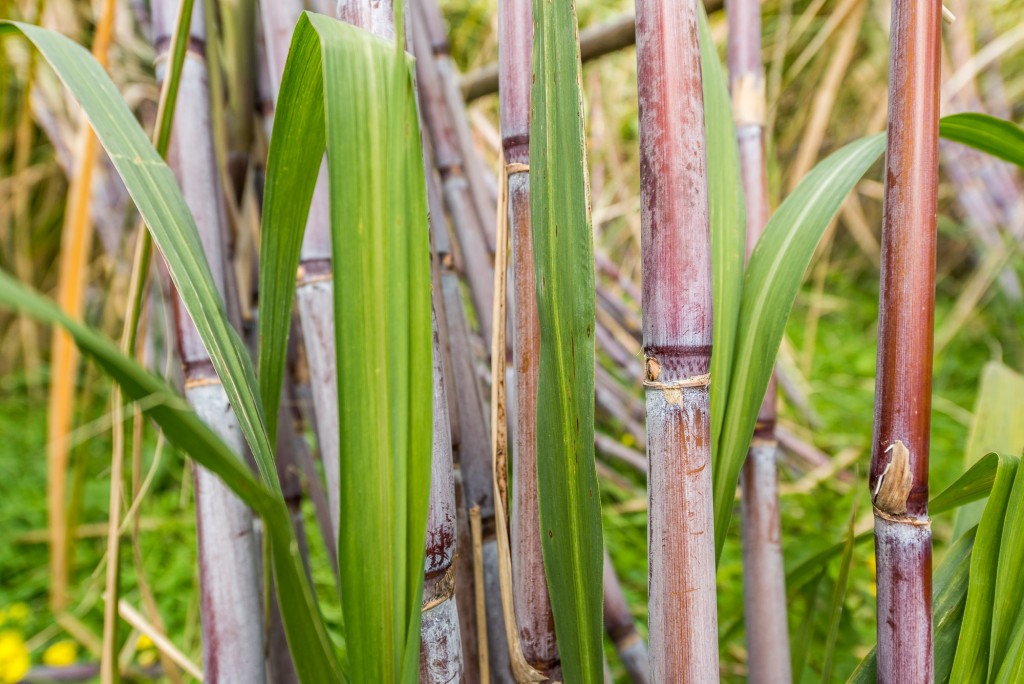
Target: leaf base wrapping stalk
(530, 590)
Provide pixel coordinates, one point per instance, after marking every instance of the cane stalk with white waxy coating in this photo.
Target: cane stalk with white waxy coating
(764, 576)
(677, 329)
(899, 457)
(231, 597)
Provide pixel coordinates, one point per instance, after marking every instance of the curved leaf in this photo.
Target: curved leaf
(985, 133)
(155, 192)
(772, 280)
(156, 195)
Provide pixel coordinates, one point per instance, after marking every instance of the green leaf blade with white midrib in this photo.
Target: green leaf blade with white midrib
(776, 270)
(155, 192)
(985, 133)
(772, 280)
(187, 432)
(570, 507)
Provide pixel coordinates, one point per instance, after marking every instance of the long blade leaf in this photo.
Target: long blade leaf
(772, 279)
(726, 203)
(184, 429)
(350, 92)
(998, 137)
(570, 505)
(156, 195)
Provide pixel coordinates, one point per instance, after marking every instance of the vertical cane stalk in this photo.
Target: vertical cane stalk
(534, 619)
(677, 343)
(764, 578)
(441, 657)
(899, 458)
(232, 615)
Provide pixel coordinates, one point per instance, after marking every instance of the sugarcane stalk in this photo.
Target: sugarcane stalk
(478, 175)
(899, 457)
(475, 261)
(232, 616)
(441, 657)
(677, 343)
(764, 576)
(472, 449)
(595, 42)
(534, 618)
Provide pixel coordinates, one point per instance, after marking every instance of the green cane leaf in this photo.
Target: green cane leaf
(998, 137)
(772, 280)
(570, 506)
(155, 192)
(726, 203)
(350, 92)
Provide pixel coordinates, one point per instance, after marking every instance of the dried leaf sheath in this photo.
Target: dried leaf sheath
(570, 506)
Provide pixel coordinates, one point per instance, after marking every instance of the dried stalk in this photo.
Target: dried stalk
(899, 458)
(76, 243)
(677, 343)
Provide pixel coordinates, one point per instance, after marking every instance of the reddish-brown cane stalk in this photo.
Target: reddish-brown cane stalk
(764, 576)
(899, 458)
(534, 618)
(441, 657)
(676, 250)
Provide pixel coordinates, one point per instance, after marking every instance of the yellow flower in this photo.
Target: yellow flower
(147, 651)
(628, 439)
(61, 654)
(147, 658)
(14, 660)
(18, 612)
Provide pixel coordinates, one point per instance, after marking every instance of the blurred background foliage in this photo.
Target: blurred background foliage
(827, 63)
